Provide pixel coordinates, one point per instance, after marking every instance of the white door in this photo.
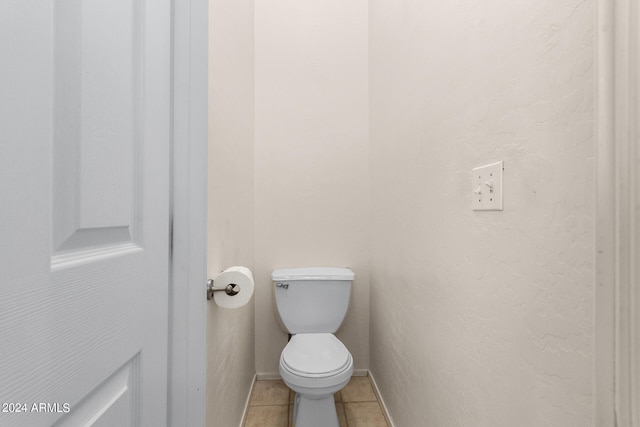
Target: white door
(84, 212)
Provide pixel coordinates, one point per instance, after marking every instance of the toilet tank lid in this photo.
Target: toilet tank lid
(313, 273)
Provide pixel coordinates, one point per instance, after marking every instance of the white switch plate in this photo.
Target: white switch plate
(486, 187)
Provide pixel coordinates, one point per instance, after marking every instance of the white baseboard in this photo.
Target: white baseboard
(262, 376)
(385, 412)
(246, 404)
(265, 376)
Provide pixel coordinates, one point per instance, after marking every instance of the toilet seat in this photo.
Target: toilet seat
(315, 356)
(316, 364)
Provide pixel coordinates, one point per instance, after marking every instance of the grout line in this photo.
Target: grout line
(344, 411)
(269, 404)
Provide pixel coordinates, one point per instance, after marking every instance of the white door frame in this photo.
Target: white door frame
(187, 309)
(617, 309)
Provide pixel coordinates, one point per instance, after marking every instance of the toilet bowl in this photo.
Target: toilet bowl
(315, 364)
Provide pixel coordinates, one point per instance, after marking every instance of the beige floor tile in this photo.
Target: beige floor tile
(364, 414)
(268, 416)
(271, 405)
(358, 390)
(269, 393)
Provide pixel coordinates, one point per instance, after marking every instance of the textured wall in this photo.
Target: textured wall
(482, 318)
(311, 157)
(230, 333)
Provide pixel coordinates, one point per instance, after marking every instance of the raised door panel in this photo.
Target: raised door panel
(113, 402)
(97, 98)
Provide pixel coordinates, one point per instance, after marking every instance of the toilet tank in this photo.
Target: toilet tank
(312, 300)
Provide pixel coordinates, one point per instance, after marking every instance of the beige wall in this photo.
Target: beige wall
(369, 117)
(311, 157)
(482, 318)
(230, 333)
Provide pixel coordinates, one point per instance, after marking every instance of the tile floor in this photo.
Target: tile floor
(271, 405)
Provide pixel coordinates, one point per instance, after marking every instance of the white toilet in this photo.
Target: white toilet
(312, 303)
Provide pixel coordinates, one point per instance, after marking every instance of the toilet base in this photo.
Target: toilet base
(315, 412)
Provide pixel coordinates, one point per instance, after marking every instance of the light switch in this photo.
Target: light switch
(486, 187)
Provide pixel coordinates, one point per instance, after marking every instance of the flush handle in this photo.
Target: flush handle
(282, 285)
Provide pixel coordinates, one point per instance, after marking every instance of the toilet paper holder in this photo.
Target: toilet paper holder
(231, 289)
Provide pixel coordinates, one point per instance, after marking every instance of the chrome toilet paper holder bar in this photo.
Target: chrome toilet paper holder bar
(231, 289)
